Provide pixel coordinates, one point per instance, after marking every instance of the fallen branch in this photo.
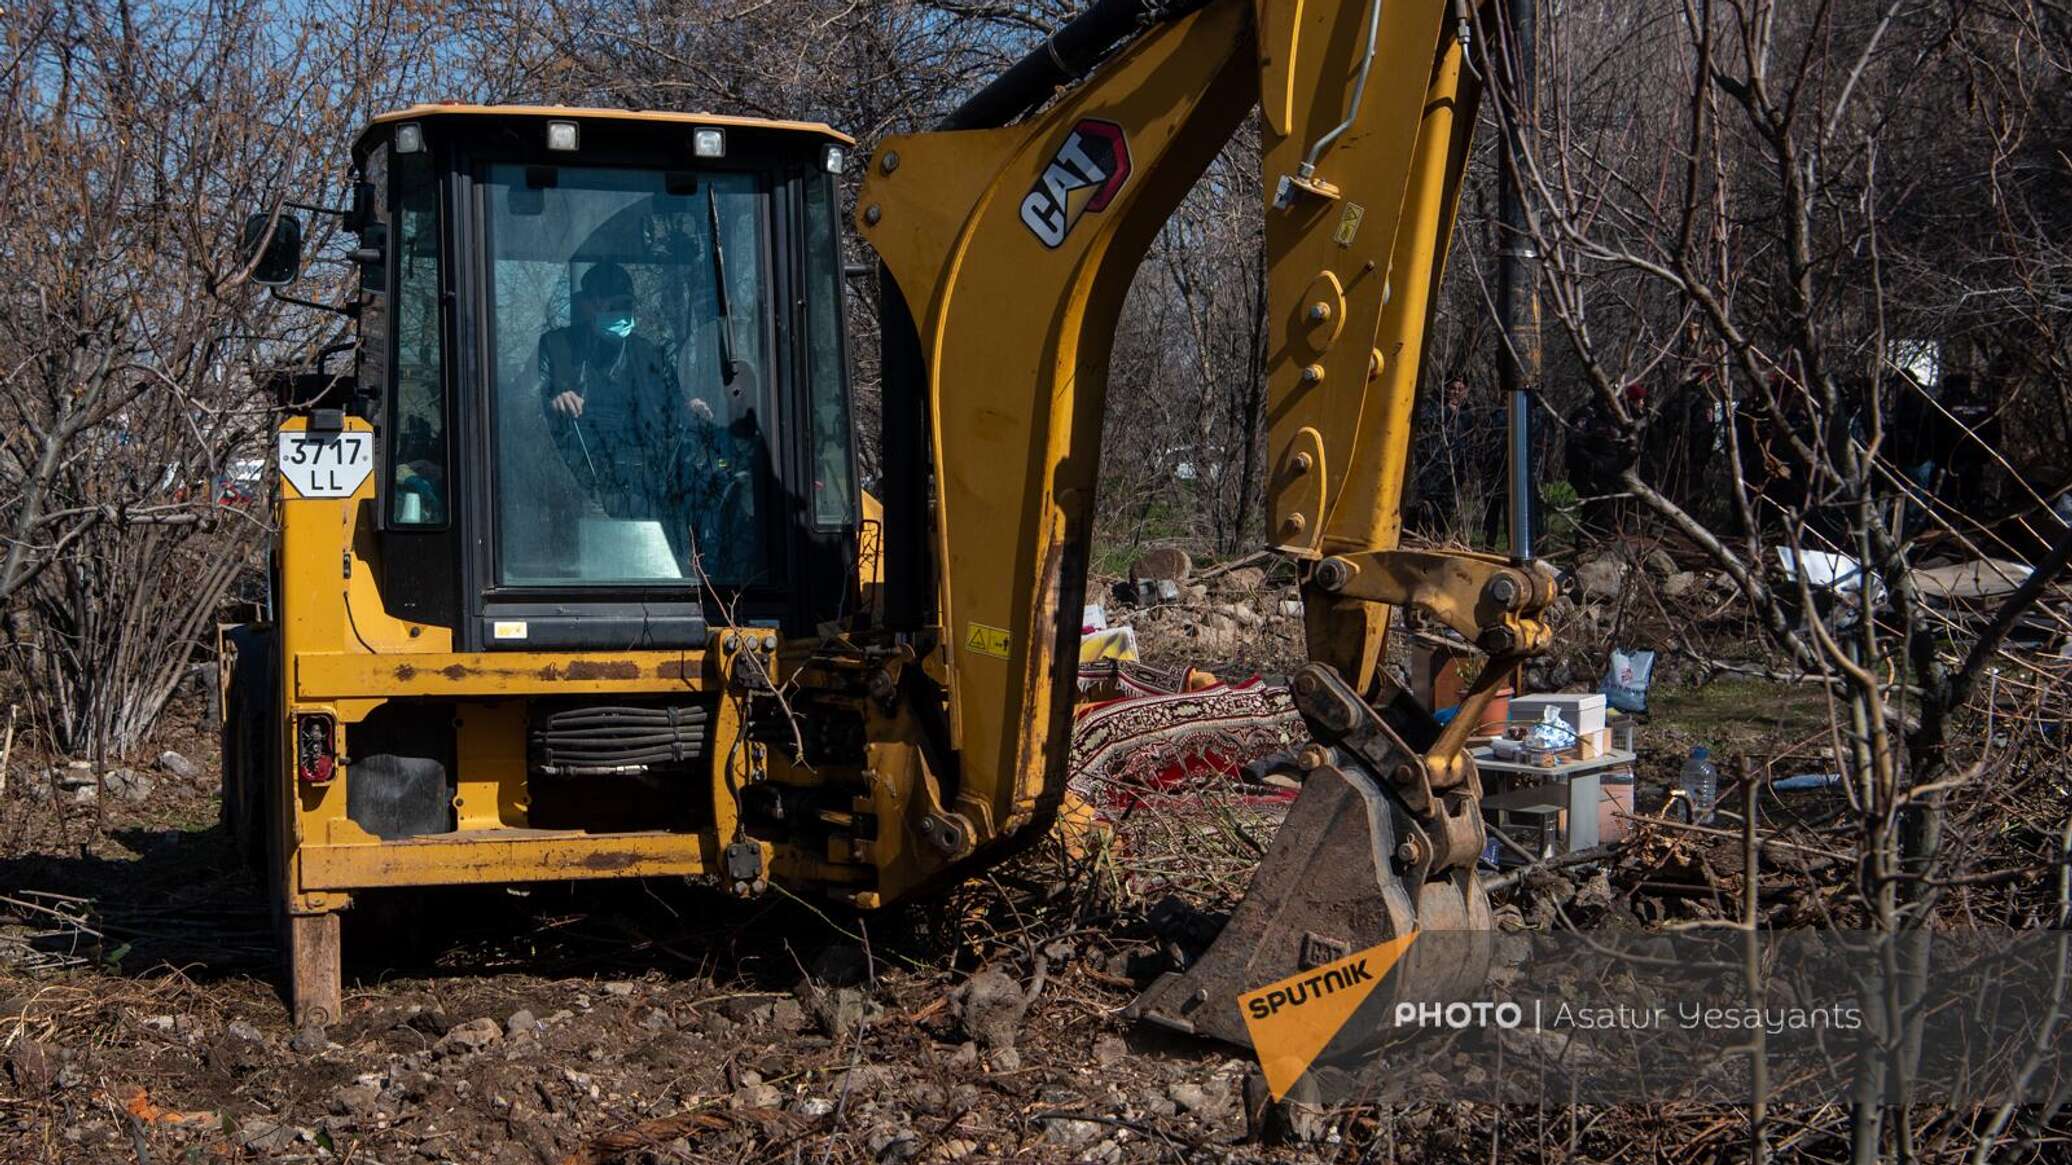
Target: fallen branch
(1226, 567)
(1595, 853)
(1665, 823)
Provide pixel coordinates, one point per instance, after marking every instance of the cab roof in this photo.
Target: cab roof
(667, 117)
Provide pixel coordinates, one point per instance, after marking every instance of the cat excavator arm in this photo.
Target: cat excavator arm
(1009, 239)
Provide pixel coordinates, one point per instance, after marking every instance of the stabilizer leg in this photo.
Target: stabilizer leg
(315, 981)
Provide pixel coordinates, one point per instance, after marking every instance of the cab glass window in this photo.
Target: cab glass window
(834, 482)
(627, 313)
(417, 427)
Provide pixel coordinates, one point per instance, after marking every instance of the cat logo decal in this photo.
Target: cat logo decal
(1082, 178)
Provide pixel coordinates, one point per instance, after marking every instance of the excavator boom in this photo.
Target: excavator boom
(1009, 239)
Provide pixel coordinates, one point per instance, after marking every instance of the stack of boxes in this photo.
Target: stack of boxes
(1584, 713)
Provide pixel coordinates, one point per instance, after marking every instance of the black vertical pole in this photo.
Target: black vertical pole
(1518, 302)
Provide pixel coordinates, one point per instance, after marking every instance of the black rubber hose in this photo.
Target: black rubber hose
(1064, 57)
(608, 731)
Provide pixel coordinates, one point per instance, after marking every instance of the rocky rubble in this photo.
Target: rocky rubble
(1236, 619)
(701, 1030)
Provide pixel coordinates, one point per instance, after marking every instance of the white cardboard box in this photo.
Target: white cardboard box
(1581, 711)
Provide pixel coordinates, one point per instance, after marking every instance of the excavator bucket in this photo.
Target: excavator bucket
(1352, 867)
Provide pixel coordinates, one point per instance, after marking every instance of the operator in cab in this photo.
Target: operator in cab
(618, 415)
(637, 443)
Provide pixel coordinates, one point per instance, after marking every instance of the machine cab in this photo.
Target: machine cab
(604, 355)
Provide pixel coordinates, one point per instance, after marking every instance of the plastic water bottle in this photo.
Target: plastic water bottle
(1701, 783)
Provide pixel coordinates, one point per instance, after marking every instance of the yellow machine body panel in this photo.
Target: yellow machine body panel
(1017, 329)
(342, 656)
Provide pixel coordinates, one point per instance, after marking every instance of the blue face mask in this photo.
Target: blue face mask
(618, 326)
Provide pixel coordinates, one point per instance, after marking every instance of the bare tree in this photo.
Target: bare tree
(1797, 212)
(133, 346)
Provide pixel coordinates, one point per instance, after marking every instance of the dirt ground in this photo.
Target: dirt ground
(638, 1022)
(656, 1021)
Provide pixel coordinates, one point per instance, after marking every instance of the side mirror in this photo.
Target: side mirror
(281, 260)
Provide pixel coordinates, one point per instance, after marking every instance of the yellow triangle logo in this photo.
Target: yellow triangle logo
(1291, 1020)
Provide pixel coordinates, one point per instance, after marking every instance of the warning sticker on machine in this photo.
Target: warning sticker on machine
(326, 465)
(1349, 224)
(986, 640)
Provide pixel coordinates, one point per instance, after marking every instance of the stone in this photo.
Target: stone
(926, 1098)
(1680, 584)
(991, 1006)
(784, 1015)
(128, 784)
(522, 1023)
(267, 1137)
(355, 1100)
(472, 1036)
(1195, 592)
(657, 1020)
(1071, 1133)
(838, 1011)
(966, 1056)
(1188, 1096)
(893, 1143)
(1658, 563)
(621, 990)
(1164, 563)
(1601, 578)
(74, 775)
(1245, 578)
(1008, 1059)
(178, 765)
(309, 1041)
(862, 1078)
(1241, 614)
(1110, 1051)
(814, 1106)
(755, 1096)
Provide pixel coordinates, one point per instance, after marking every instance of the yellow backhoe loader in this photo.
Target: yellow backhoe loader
(574, 577)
